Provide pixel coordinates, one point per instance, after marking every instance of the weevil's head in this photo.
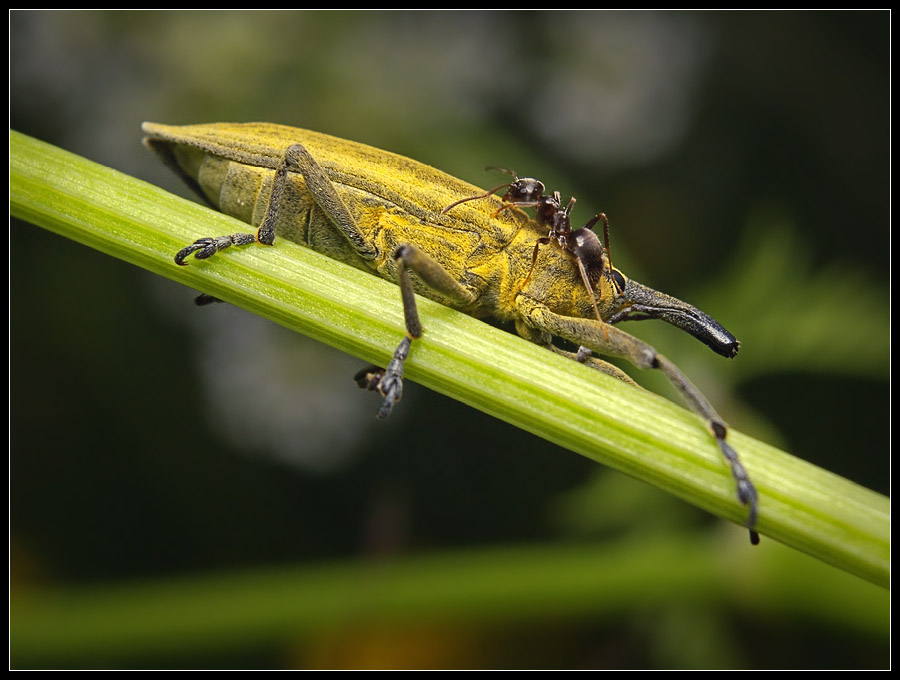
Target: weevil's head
(637, 302)
(596, 288)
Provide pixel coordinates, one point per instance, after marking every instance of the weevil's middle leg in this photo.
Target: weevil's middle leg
(389, 382)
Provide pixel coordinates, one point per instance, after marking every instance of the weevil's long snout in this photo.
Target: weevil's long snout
(641, 302)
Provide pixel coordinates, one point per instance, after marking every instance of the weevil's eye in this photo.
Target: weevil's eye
(619, 280)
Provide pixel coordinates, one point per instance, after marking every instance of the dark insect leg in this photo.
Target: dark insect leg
(205, 299)
(322, 189)
(746, 492)
(609, 269)
(583, 356)
(611, 341)
(204, 248)
(389, 382)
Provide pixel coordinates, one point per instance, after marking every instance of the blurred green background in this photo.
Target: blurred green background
(167, 512)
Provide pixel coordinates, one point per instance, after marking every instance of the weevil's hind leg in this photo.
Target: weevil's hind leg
(296, 159)
(204, 248)
(389, 382)
(321, 188)
(609, 340)
(583, 356)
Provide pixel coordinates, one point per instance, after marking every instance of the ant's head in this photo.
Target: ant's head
(522, 190)
(525, 190)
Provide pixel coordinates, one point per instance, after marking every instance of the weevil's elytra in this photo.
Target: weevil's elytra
(437, 236)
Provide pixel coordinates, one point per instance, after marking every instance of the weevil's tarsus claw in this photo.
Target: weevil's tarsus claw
(207, 247)
(746, 492)
(386, 381)
(196, 246)
(391, 385)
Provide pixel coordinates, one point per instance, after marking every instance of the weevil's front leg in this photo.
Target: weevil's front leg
(746, 491)
(611, 341)
(389, 382)
(582, 356)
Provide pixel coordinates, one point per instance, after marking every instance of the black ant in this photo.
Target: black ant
(593, 258)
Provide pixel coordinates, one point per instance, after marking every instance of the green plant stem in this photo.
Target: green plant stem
(628, 429)
(498, 586)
